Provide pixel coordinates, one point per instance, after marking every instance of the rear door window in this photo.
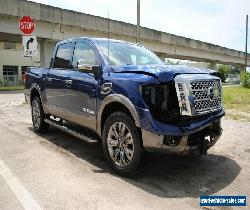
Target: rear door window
(63, 56)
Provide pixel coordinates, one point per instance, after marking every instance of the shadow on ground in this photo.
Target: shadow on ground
(162, 175)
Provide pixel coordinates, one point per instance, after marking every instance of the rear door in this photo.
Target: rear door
(58, 76)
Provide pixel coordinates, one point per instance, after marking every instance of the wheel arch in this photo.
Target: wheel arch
(112, 103)
(36, 91)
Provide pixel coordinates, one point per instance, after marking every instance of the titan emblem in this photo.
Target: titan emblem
(213, 92)
(106, 88)
(88, 111)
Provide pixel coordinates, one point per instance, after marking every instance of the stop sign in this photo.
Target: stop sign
(26, 25)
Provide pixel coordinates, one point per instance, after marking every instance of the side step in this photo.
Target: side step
(73, 131)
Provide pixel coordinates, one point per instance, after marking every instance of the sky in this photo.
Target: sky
(221, 22)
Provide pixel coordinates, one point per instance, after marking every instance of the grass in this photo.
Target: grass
(10, 88)
(237, 102)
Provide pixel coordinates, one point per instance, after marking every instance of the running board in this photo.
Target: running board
(70, 130)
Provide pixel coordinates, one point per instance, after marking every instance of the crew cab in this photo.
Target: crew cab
(123, 95)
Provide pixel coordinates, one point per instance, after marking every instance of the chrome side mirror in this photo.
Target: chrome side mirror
(88, 68)
(82, 65)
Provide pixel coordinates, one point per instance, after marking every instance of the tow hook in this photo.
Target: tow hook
(204, 145)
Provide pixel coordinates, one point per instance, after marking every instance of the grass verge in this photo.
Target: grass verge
(237, 103)
(10, 88)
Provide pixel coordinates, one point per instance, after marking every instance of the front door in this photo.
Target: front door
(82, 93)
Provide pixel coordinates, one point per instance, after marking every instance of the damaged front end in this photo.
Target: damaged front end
(194, 144)
(184, 114)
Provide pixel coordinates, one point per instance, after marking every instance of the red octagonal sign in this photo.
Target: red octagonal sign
(26, 25)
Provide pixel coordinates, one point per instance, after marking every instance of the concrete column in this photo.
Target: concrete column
(162, 57)
(241, 67)
(1, 73)
(19, 73)
(42, 52)
(212, 65)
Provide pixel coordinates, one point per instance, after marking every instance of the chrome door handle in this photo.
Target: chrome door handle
(49, 79)
(68, 82)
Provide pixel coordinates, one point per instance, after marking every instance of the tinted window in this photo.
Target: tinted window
(63, 56)
(86, 53)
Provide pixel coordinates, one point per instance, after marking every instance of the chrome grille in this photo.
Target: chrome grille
(198, 93)
(206, 95)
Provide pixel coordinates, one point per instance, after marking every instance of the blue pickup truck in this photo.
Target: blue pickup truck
(123, 95)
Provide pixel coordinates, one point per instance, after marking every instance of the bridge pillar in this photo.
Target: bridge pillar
(46, 49)
(212, 65)
(241, 67)
(42, 53)
(162, 57)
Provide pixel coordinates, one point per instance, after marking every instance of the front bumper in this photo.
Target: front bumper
(196, 137)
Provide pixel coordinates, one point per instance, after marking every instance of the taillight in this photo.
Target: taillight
(25, 77)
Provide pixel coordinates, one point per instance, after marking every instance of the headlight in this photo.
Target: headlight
(162, 101)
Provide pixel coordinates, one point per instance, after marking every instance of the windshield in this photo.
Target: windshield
(121, 53)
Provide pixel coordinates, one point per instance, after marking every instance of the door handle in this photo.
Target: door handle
(68, 82)
(49, 79)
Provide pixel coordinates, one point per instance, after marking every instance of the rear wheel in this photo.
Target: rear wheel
(122, 144)
(38, 115)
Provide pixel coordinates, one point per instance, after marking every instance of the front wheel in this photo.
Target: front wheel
(38, 115)
(122, 144)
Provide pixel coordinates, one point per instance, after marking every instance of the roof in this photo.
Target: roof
(93, 40)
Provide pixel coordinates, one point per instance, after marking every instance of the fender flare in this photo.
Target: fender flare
(37, 88)
(120, 99)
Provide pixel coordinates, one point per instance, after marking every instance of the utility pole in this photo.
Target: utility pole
(138, 21)
(246, 48)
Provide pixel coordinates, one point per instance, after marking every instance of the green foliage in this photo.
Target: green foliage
(235, 69)
(223, 70)
(2, 83)
(245, 79)
(172, 62)
(210, 66)
(9, 88)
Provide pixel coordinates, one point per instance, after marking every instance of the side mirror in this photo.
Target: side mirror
(88, 68)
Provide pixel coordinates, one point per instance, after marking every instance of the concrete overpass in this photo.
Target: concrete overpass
(53, 24)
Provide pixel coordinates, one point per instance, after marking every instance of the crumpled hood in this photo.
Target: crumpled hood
(162, 72)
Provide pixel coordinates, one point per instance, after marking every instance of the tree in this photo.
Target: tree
(172, 62)
(223, 70)
(235, 69)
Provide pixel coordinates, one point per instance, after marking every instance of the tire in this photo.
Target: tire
(121, 143)
(38, 115)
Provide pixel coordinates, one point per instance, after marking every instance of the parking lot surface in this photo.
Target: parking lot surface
(58, 171)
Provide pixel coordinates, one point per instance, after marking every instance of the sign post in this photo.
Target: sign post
(30, 46)
(27, 26)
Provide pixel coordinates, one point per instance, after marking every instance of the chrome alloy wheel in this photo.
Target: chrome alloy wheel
(36, 114)
(120, 144)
